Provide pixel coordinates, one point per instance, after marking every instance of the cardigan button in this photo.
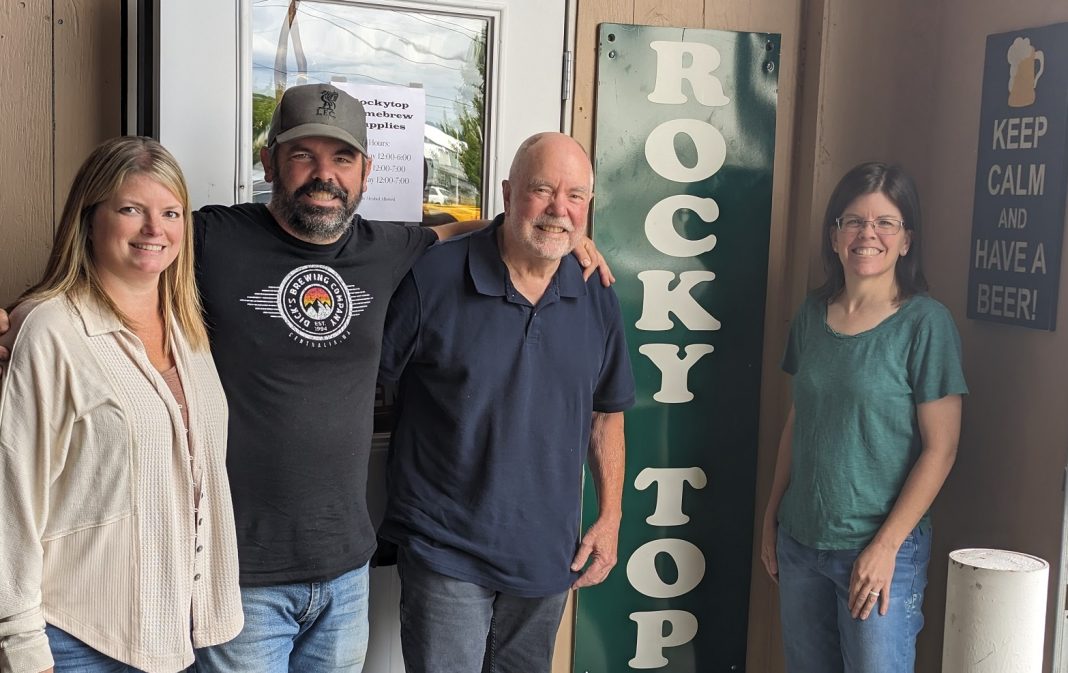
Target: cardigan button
(196, 577)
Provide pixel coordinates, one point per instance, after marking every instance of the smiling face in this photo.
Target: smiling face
(137, 232)
(866, 254)
(547, 198)
(317, 186)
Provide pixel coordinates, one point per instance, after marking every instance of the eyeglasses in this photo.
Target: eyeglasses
(887, 226)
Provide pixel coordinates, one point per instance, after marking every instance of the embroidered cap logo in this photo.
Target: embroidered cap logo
(329, 99)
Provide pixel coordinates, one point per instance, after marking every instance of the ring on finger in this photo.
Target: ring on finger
(873, 594)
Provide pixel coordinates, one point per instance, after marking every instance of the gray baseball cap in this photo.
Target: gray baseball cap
(319, 110)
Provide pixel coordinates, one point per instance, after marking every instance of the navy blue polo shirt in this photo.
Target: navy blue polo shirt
(494, 407)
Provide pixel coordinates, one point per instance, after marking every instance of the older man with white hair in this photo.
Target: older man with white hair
(513, 372)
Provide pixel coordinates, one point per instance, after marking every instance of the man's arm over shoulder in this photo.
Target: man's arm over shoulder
(458, 228)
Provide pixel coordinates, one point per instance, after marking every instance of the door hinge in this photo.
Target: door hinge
(569, 63)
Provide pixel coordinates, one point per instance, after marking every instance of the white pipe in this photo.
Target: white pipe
(995, 612)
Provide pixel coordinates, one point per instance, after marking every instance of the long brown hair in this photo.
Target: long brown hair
(70, 268)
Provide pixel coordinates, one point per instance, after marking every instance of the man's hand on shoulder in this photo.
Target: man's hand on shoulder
(591, 259)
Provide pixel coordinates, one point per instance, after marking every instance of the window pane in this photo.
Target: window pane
(347, 42)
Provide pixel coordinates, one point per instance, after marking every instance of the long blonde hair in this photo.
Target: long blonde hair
(71, 269)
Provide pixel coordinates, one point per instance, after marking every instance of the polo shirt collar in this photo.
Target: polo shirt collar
(489, 273)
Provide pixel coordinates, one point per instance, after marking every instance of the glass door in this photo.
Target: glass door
(369, 50)
(491, 71)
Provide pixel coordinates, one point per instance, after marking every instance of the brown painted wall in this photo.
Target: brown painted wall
(902, 81)
(1006, 489)
(60, 74)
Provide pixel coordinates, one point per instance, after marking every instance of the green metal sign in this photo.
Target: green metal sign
(685, 138)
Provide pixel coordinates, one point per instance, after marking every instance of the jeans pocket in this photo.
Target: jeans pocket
(912, 560)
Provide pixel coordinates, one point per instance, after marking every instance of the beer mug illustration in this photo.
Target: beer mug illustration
(1025, 67)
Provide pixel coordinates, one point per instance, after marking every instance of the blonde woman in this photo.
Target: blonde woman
(117, 547)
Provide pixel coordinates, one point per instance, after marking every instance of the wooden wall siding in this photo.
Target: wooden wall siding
(787, 268)
(677, 14)
(88, 95)
(590, 14)
(60, 78)
(26, 138)
(1006, 489)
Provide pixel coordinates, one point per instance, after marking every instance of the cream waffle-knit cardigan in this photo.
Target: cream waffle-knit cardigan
(99, 533)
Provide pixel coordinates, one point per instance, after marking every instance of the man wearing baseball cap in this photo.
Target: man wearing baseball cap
(295, 294)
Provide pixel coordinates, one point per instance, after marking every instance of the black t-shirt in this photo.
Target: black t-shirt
(296, 331)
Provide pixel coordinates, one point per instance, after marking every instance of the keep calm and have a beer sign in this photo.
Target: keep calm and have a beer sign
(1021, 179)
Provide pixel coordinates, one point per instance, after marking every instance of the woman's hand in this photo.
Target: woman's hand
(873, 572)
(768, 549)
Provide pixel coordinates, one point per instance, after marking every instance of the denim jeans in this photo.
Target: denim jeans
(317, 626)
(820, 635)
(452, 626)
(73, 656)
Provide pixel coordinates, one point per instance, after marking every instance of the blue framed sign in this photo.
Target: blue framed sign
(1021, 179)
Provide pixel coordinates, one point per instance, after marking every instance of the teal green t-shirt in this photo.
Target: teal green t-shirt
(856, 435)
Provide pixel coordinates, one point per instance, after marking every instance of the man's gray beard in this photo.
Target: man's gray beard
(317, 223)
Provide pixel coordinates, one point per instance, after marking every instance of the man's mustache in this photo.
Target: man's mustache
(317, 185)
(548, 220)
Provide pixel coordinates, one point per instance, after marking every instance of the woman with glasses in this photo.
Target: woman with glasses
(870, 438)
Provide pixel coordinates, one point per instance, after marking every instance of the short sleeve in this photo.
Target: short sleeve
(791, 357)
(200, 233)
(934, 363)
(615, 387)
(402, 330)
(415, 241)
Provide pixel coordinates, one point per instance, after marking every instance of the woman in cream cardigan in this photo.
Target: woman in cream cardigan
(117, 544)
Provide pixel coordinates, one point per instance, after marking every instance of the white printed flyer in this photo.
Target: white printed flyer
(396, 116)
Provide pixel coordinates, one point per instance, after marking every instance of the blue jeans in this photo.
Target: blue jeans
(452, 626)
(317, 626)
(820, 635)
(73, 656)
